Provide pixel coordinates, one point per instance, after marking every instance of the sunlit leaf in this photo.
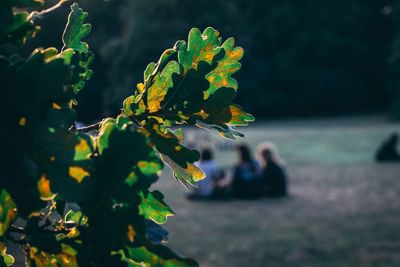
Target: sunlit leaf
(239, 116)
(228, 65)
(178, 157)
(200, 47)
(78, 173)
(85, 73)
(8, 260)
(188, 175)
(153, 207)
(76, 30)
(186, 97)
(8, 211)
(66, 258)
(44, 188)
(77, 217)
(168, 144)
(159, 88)
(153, 256)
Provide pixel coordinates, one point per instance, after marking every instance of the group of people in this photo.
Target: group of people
(250, 178)
(265, 176)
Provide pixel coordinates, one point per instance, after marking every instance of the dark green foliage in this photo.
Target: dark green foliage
(83, 197)
(393, 83)
(16, 26)
(309, 58)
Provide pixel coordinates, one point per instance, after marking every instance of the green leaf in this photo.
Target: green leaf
(159, 88)
(106, 128)
(76, 30)
(8, 260)
(83, 147)
(167, 143)
(186, 97)
(200, 47)
(178, 157)
(153, 207)
(188, 175)
(220, 77)
(150, 255)
(77, 217)
(66, 258)
(238, 116)
(153, 68)
(8, 212)
(223, 115)
(85, 72)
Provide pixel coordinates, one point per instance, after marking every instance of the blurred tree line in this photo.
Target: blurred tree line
(302, 58)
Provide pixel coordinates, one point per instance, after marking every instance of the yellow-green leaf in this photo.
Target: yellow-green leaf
(228, 65)
(200, 47)
(7, 259)
(153, 207)
(8, 211)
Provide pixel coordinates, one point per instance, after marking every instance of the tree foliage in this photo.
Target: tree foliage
(309, 58)
(70, 197)
(393, 82)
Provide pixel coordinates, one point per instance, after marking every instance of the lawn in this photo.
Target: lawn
(343, 209)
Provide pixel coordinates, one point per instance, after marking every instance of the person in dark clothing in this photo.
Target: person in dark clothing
(273, 174)
(245, 183)
(387, 151)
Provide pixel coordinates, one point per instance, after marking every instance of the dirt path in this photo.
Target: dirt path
(336, 215)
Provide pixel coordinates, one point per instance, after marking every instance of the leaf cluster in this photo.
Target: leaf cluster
(70, 197)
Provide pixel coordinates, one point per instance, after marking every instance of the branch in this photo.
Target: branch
(39, 14)
(17, 229)
(89, 128)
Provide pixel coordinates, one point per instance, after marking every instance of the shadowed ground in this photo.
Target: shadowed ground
(343, 209)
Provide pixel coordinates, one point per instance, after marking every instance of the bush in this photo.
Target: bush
(74, 196)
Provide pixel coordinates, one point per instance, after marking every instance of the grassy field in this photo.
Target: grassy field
(343, 209)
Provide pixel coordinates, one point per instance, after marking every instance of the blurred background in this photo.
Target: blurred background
(321, 77)
(310, 58)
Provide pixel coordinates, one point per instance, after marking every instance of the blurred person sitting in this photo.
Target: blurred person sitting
(246, 182)
(207, 187)
(273, 174)
(388, 149)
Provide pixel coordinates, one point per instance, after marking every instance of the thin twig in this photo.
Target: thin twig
(39, 14)
(90, 127)
(17, 229)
